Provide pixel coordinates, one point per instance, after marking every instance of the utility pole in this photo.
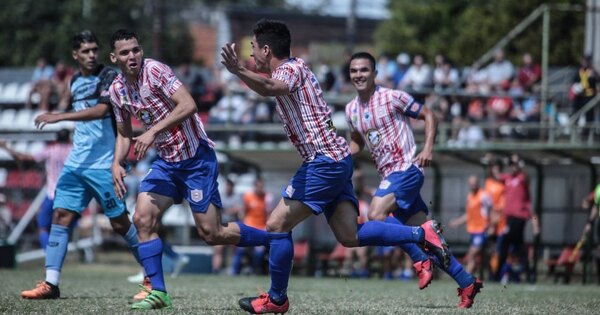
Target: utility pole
(351, 27)
(158, 15)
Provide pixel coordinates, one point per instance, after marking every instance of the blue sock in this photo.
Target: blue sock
(236, 264)
(280, 265)
(250, 236)
(456, 271)
(43, 236)
(57, 247)
(132, 240)
(258, 253)
(414, 251)
(377, 233)
(151, 256)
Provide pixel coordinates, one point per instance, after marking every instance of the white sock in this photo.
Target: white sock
(53, 276)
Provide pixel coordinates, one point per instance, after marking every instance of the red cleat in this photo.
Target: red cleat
(424, 271)
(263, 305)
(467, 295)
(435, 243)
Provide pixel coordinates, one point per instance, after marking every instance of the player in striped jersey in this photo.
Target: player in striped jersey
(86, 173)
(323, 184)
(379, 118)
(186, 166)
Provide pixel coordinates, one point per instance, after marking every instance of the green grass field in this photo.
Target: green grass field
(102, 288)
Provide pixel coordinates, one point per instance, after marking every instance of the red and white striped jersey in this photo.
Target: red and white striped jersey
(149, 99)
(54, 157)
(305, 115)
(384, 124)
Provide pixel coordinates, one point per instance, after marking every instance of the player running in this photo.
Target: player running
(86, 173)
(379, 118)
(323, 183)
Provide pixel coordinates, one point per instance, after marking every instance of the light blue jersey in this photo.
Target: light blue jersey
(94, 140)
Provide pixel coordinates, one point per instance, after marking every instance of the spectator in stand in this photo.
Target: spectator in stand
(418, 76)
(517, 209)
(529, 73)
(585, 87)
(477, 220)
(386, 69)
(192, 79)
(499, 71)
(445, 77)
(232, 206)
(54, 156)
(42, 84)
(61, 82)
(403, 62)
(499, 107)
(254, 214)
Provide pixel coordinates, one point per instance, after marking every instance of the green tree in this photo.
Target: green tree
(464, 30)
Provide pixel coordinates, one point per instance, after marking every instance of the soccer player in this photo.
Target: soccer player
(379, 118)
(323, 184)
(54, 156)
(86, 173)
(477, 219)
(186, 166)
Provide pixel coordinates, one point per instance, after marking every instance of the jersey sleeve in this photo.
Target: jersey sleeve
(349, 121)
(290, 75)
(406, 104)
(164, 79)
(106, 79)
(116, 95)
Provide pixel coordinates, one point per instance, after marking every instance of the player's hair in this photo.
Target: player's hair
(83, 37)
(121, 34)
(274, 34)
(364, 55)
(63, 136)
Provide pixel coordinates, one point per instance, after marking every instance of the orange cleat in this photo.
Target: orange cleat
(467, 295)
(43, 290)
(146, 288)
(424, 270)
(263, 305)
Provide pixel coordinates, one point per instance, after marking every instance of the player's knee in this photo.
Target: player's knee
(210, 235)
(274, 227)
(62, 217)
(376, 215)
(142, 221)
(348, 240)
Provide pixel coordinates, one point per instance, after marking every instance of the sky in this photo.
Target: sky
(375, 9)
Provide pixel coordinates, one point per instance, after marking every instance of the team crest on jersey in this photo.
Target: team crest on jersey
(385, 184)
(414, 107)
(145, 117)
(374, 136)
(197, 195)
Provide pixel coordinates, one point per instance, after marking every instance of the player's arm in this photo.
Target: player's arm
(122, 145)
(425, 157)
(184, 108)
(259, 84)
(92, 113)
(21, 157)
(458, 221)
(357, 142)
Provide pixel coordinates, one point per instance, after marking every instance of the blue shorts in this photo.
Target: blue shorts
(194, 178)
(77, 186)
(322, 184)
(478, 240)
(406, 187)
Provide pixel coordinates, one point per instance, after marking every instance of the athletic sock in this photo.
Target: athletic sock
(456, 271)
(280, 265)
(132, 241)
(250, 237)
(415, 252)
(377, 233)
(56, 252)
(151, 257)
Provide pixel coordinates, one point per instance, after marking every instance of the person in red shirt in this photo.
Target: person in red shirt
(517, 210)
(529, 73)
(477, 219)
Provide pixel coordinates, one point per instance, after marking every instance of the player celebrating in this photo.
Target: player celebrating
(378, 117)
(86, 173)
(186, 166)
(323, 184)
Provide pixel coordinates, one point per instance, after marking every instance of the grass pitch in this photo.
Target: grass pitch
(102, 288)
